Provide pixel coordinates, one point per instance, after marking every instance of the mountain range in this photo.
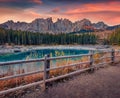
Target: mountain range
(60, 26)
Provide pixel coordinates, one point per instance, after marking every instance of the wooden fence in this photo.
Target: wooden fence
(47, 69)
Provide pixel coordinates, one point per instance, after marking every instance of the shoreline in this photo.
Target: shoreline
(13, 49)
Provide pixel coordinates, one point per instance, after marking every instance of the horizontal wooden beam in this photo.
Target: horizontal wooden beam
(40, 82)
(20, 75)
(21, 62)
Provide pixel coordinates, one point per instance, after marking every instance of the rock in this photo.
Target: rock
(100, 25)
(63, 26)
(60, 26)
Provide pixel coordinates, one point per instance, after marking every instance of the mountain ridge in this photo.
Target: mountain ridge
(60, 26)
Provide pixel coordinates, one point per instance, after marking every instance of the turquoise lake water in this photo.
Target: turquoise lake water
(40, 54)
(34, 54)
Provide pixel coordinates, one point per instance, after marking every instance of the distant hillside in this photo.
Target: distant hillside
(60, 26)
(113, 27)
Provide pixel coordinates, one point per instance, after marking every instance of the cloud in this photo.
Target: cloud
(15, 15)
(19, 3)
(28, 10)
(95, 12)
(56, 10)
(79, 1)
(37, 1)
(4, 1)
(86, 8)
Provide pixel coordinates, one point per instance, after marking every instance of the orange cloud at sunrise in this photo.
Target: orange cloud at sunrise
(37, 1)
(105, 10)
(14, 14)
(95, 12)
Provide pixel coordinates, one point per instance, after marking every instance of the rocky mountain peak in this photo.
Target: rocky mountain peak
(10, 21)
(100, 25)
(60, 26)
(85, 21)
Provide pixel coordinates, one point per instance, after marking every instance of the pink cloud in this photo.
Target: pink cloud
(95, 12)
(37, 1)
(14, 14)
(55, 10)
(93, 8)
(107, 12)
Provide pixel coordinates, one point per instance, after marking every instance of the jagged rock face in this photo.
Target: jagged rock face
(100, 25)
(15, 26)
(78, 25)
(60, 26)
(41, 25)
(63, 26)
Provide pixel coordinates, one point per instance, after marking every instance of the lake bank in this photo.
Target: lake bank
(12, 49)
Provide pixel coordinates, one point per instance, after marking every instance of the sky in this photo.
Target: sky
(28, 10)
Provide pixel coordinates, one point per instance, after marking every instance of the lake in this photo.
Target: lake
(34, 54)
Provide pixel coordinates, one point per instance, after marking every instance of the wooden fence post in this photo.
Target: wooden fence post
(91, 61)
(46, 73)
(113, 56)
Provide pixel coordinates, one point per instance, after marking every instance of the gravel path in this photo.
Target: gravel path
(103, 83)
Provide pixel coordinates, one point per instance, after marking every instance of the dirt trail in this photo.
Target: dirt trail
(103, 83)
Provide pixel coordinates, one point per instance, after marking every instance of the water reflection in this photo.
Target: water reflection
(28, 67)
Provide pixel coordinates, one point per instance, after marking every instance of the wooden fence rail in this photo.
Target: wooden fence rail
(47, 69)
